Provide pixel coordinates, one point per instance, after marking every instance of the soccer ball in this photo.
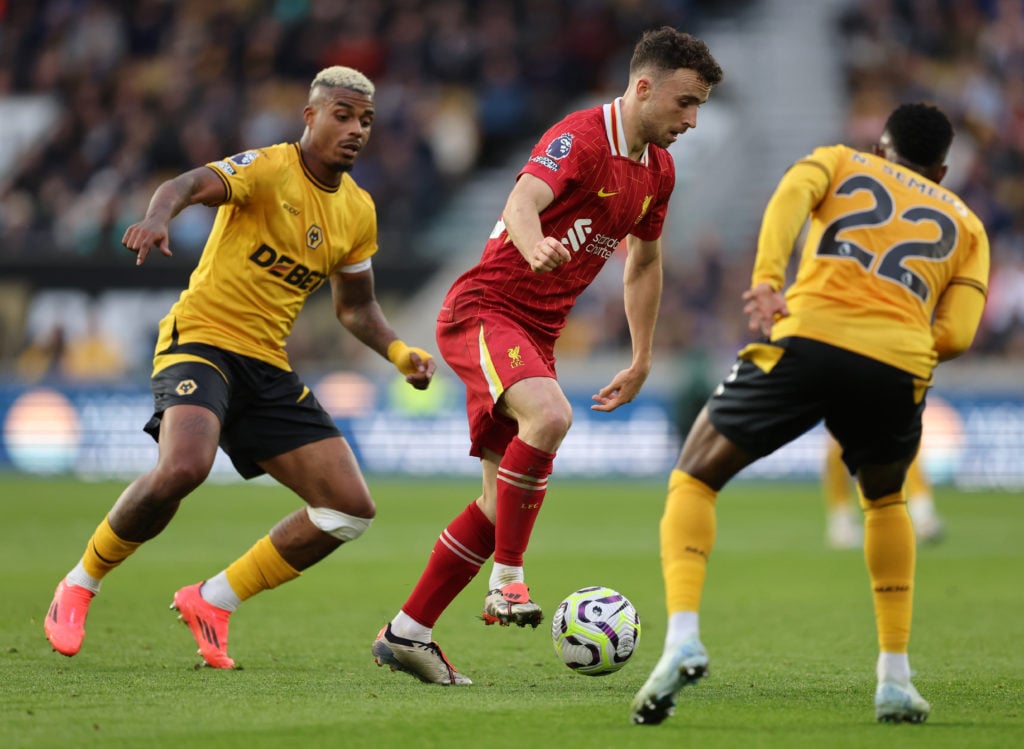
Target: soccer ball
(595, 631)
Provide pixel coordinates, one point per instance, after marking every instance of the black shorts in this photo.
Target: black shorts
(777, 391)
(264, 411)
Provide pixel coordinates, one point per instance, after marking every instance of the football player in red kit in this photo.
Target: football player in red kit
(598, 176)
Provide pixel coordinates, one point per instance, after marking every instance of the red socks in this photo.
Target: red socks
(462, 548)
(469, 540)
(522, 482)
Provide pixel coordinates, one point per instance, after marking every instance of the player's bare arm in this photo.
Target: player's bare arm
(528, 198)
(199, 185)
(764, 305)
(642, 280)
(356, 307)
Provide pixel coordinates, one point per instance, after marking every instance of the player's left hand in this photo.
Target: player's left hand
(621, 390)
(416, 364)
(425, 368)
(764, 306)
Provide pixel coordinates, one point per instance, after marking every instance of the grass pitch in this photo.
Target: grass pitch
(787, 622)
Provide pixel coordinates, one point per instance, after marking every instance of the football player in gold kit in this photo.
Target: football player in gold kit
(892, 279)
(290, 218)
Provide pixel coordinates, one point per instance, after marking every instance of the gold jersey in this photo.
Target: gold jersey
(882, 246)
(276, 239)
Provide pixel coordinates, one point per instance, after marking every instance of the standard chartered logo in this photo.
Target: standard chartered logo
(578, 234)
(579, 238)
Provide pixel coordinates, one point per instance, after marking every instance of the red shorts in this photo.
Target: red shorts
(490, 353)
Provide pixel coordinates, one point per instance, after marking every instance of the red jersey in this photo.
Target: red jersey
(601, 196)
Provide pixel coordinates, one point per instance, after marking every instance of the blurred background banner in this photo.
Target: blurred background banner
(101, 100)
(971, 440)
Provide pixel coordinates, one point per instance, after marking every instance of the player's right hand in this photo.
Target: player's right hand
(764, 306)
(547, 255)
(142, 237)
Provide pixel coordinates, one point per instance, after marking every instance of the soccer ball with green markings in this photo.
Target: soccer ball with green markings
(595, 631)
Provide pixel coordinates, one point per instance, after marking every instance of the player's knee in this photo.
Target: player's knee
(553, 422)
(878, 482)
(341, 525)
(562, 421)
(711, 457)
(179, 477)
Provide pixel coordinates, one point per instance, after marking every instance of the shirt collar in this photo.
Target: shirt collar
(616, 134)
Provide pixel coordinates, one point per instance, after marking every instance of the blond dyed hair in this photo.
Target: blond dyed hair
(339, 76)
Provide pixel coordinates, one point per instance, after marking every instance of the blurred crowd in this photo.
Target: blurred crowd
(147, 88)
(967, 56)
(128, 93)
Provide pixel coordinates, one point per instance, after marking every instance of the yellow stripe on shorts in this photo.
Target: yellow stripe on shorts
(163, 361)
(487, 366)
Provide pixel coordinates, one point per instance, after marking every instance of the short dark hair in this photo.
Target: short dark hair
(669, 49)
(921, 133)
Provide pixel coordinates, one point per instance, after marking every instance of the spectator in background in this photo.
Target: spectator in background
(84, 356)
(70, 342)
(91, 356)
(153, 87)
(41, 358)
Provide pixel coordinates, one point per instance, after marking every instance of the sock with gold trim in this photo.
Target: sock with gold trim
(104, 551)
(687, 535)
(889, 551)
(261, 568)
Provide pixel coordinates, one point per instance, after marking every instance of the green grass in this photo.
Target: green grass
(788, 624)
